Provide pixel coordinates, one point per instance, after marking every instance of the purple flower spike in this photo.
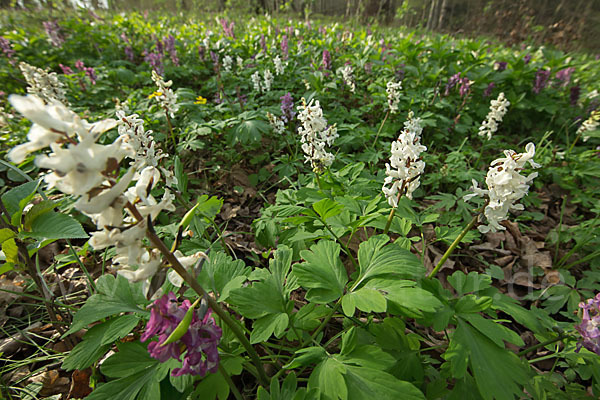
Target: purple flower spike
(198, 345)
(454, 79)
(465, 87)
(326, 59)
(488, 91)
(500, 66)
(263, 43)
(285, 48)
(574, 95)
(590, 325)
(66, 69)
(564, 75)
(527, 58)
(155, 61)
(7, 49)
(53, 31)
(541, 80)
(170, 47)
(287, 107)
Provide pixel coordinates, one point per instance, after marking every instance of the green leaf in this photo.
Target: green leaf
(413, 301)
(473, 282)
(499, 373)
(280, 267)
(323, 273)
(37, 210)
(88, 351)
(264, 327)
(365, 299)
(115, 297)
(328, 377)
(17, 198)
(55, 225)
(208, 207)
(126, 388)
(6, 234)
(211, 387)
(182, 179)
(11, 251)
(368, 384)
(120, 327)
(375, 258)
(221, 274)
(472, 304)
(307, 356)
(258, 300)
(132, 357)
(327, 208)
(494, 331)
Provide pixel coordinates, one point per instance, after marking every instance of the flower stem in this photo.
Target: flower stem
(318, 181)
(543, 344)
(171, 131)
(453, 246)
(223, 315)
(389, 221)
(234, 389)
(380, 128)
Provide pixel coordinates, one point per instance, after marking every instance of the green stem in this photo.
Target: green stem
(346, 249)
(234, 389)
(380, 128)
(389, 221)
(543, 344)
(324, 322)
(171, 131)
(233, 324)
(318, 181)
(453, 246)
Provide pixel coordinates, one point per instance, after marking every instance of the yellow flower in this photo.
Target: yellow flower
(200, 100)
(155, 94)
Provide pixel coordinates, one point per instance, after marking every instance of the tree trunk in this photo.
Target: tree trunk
(443, 9)
(430, 24)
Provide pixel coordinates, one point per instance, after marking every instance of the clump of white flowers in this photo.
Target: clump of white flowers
(84, 168)
(347, 75)
(240, 62)
(227, 63)
(506, 186)
(276, 123)
(589, 124)
(393, 95)
(406, 166)
(256, 81)
(498, 109)
(315, 135)
(279, 67)
(43, 84)
(165, 96)
(268, 76)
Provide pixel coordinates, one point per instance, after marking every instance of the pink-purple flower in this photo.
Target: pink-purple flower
(488, 91)
(7, 49)
(53, 31)
(541, 80)
(564, 75)
(285, 48)
(287, 107)
(590, 324)
(326, 61)
(198, 345)
(170, 47)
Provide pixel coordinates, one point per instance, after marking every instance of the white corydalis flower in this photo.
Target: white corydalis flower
(43, 84)
(315, 135)
(498, 109)
(406, 166)
(256, 81)
(188, 262)
(347, 75)
(165, 96)
(506, 186)
(268, 77)
(240, 62)
(279, 67)
(277, 124)
(227, 63)
(393, 95)
(589, 124)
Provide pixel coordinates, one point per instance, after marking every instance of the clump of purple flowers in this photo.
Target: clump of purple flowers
(326, 61)
(7, 49)
(454, 79)
(500, 66)
(465, 85)
(66, 69)
(227, 28)
(199, 342)
(53, 31)
(155, 61)
(128, 48)
(287, 107)
(575, 92)
(488, 91)
(285, 48)
(564, 75)
(263, 43)
(170, 47)
(89, 71)
(590, 325)
(527, 58)
(541, 80)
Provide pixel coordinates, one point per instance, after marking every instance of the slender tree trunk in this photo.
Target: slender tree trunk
(430, 24)
(443, 9)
